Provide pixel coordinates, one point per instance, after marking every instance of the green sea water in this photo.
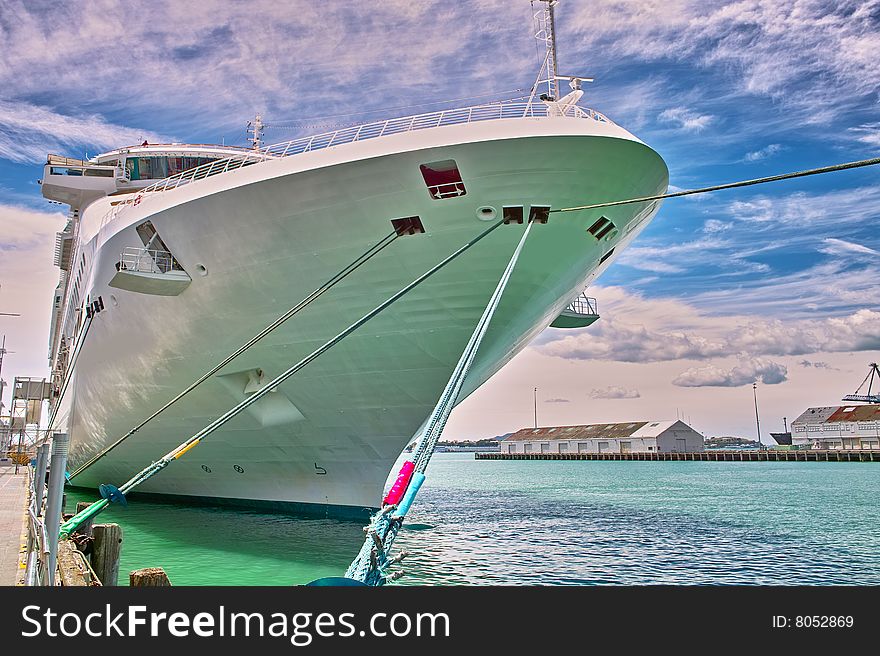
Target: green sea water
(550, 522)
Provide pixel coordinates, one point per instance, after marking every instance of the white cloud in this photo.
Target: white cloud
(811, 56)
(832, 209)
(28, 278)
(867, 133)
(670, 258)
(215, 63)
(28, 133)
(763, 153)
(713, 226)
(842, 247)
(686, 119)
(557, 400)
(637, 329)
(745, 373)
(614, 392)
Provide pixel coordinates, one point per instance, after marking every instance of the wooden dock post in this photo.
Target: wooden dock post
(105, 552)
(86, 527)
(149, 577)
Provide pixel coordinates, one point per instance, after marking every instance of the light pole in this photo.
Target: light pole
(757, 419)
(536, 407)
(2, 384)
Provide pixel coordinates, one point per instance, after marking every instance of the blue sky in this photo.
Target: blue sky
(775, 283)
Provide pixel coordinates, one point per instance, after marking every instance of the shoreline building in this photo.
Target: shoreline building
(668, 436)
(838, 427)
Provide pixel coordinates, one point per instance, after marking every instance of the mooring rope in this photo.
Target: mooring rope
(730, 185)
(338, 277)
(371, 564)
(117, 494)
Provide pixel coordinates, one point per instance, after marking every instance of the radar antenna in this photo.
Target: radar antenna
(256, 128)
(867, 398)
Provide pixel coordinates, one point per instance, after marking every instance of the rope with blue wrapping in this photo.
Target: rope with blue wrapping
(372, 564)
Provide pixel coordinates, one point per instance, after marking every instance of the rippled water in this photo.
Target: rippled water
(560, 523)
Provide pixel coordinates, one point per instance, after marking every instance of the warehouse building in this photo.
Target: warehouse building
(633, 437)
(838, 427)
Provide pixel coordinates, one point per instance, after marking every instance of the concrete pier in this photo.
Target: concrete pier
(768, 455)
(13, 499)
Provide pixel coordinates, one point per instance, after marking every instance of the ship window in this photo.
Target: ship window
(606, 256)
(147, 233)
(512, 214)
(158, 168)
(175, 165)
(57, 170)
(99, 173)
(443, 179)
(153, 243)
(598, 225)
(145, 167)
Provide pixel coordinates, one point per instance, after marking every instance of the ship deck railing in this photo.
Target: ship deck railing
(583, 304)
(488, 112)
(463, 115)
(147, 260)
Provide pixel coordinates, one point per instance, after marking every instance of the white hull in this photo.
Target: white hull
(268, 235)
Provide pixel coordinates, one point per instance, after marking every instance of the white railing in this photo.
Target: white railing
(144, 260)
(583, 304)
(378, 129)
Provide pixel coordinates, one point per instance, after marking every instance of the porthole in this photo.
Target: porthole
(113, 300)
(486, 213)
(201, 269)
(611, 235)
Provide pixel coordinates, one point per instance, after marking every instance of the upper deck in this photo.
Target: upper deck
(78, 182)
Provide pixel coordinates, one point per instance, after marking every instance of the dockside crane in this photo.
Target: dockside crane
(873, 371)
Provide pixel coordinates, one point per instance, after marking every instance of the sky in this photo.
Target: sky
(774, 284)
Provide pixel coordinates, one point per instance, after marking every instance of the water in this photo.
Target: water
(554, 522)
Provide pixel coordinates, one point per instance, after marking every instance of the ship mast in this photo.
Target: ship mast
(545, 22)
(256, 128)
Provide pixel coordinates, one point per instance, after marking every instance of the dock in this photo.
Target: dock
(13, 501)
(769, 455)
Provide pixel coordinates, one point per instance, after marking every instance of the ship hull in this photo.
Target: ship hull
(324, 441)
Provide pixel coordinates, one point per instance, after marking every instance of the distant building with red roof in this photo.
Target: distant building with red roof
(854, 426)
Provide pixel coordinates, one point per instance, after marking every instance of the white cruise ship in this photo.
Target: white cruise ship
(175, 255)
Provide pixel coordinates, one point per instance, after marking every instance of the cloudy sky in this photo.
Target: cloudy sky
(775, 284)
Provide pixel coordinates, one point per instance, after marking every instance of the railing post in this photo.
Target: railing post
(40, 477)
(60, 443)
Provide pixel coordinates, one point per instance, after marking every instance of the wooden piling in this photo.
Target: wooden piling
(86, 527)
(149, 577)
(105, 552)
